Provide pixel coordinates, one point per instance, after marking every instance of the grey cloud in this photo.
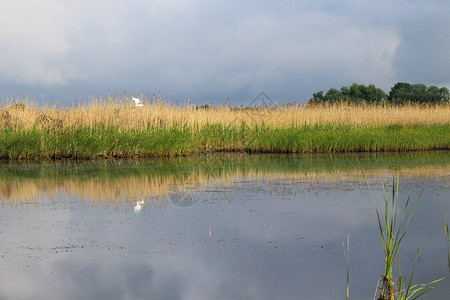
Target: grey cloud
(203, 50)
(422, 56)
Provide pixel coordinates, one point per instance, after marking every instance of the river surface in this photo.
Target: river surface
(249, 227)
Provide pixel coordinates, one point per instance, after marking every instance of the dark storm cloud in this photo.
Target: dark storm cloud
(209, 51)
(422, 56)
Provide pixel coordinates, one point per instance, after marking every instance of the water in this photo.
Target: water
(267, 227)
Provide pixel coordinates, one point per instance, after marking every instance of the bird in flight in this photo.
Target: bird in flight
(137, 102)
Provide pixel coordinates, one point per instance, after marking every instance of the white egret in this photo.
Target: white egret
(137, 102)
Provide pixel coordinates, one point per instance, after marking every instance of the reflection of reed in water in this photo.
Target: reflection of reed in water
(184, 190)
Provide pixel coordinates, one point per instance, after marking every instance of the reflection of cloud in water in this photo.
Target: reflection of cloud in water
(98, 279)
(265, 245)
(276, 234)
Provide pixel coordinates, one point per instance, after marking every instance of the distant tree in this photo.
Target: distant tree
(403, 92)
(444, 94)
(432, 94)
(399, 92)
(435, 94)
(319, 97)
(345, 92)
(418, 92)
(374, 94)
(356, 93)
(333, 95)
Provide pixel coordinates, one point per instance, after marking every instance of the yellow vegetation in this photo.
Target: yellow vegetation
(120, 111)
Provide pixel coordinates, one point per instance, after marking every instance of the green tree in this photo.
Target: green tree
(333, 95)
(373, 94)
(399, 92)
(356, 93)
(444, 94)
(345, 92)
(319, 97)
(432, 94)
(403, 92)
(418, 93)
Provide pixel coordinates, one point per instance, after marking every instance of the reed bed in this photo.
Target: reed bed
(113, 127)
(119, 112)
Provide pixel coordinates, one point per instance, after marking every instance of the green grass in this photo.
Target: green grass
(111, 142)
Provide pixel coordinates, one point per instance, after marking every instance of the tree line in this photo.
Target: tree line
(400, 93)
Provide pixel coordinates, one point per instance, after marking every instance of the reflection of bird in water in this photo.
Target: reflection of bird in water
(138, 206)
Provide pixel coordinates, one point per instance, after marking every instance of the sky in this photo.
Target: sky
(210, 51)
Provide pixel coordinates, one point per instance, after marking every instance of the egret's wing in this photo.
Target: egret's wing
(136, 100)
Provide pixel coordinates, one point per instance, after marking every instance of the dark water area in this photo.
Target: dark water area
(253, 227)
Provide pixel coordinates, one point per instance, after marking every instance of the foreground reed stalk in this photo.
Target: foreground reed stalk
(347, 260)
(447, 234)
(392, 235)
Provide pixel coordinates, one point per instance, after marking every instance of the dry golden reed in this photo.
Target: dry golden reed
(121, 113)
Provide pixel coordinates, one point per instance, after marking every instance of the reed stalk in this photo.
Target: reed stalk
(346, 249)
(447, 234)
(392, 233)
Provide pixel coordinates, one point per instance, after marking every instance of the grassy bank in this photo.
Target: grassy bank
(114, 128)
(111, 142)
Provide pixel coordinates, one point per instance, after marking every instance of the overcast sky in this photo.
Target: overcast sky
(211, 50)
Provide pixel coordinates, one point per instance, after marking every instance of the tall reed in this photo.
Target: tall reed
(392, 234)
(347, 260)
(447, 234)
(119, 112)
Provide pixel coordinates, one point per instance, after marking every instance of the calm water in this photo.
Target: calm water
(265, 227)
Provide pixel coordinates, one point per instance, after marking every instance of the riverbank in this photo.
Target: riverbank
(114, 128)
(111, 142)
